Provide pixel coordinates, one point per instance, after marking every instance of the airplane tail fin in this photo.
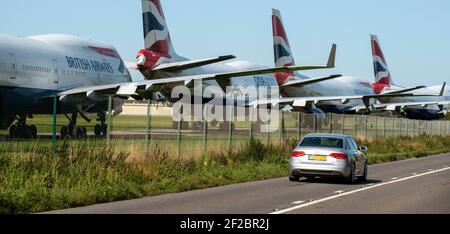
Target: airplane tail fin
(383, 77)
(282, 50)
(156, 32)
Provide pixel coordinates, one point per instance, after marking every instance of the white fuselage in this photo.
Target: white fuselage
(431, 90)
(342, 86)
(58, 62)
(32, 69)
(240, 86)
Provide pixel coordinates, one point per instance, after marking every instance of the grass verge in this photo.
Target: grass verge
(32, 180)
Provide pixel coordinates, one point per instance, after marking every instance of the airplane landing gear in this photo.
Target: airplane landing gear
(72, 130)
(101, 129)
(21, 130)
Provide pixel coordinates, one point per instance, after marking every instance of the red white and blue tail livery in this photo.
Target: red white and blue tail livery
(158, 45)
(382, 75)
(282, 49)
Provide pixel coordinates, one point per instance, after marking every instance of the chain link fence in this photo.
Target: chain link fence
(152, 128)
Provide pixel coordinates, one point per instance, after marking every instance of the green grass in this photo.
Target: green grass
(88, 172)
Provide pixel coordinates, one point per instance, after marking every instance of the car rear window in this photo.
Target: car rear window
(328, 142)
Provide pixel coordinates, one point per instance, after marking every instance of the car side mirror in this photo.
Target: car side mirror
(363, 148)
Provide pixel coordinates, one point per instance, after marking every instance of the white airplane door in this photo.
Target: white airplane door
(56, 75)
(13, 66)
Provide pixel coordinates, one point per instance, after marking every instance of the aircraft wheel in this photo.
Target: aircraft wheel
(64, 132)
(80, 132)
(104, 129)
(174, 124)
(23, 132)
(12, 131)
(33, 131)
(196, 126)
(98, 130)
(223, 126)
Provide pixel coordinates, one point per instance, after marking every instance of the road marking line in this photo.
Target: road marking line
(339, 192)
(298, 202)
(395, 178)
(356, 191)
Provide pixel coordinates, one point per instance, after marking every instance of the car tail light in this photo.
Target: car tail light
(339, 156)
(297, 154)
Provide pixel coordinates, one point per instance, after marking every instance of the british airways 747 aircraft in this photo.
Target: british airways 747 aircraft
(84, 73)
(158, 59)
(414, 107)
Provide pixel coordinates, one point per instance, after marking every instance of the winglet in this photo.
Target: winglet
(332, 58)
(443, 89)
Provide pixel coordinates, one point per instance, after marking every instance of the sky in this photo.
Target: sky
(414, 34)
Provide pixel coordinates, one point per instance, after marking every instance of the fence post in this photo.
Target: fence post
(448, 127)
(180, 124)
(331, 122)
(281, 128)
(230, 131)
(356, 126)
(416, 128)
(401, 127)
(384, 126)
(314, 123)
(109, 119)
(149, 124)
(365, 127)
(376, 126)
(205, 133)
(343, 124)
(55, 106)
(431, 128)
(299, 127)
(393, 127)
(251, 129)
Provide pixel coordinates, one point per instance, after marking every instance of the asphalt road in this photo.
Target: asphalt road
(410, 186)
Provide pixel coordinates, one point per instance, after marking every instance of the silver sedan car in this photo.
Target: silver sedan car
(328, 155)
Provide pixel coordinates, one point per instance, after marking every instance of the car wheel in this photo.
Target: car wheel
(351, 178)
(364, 176)
(294, 178)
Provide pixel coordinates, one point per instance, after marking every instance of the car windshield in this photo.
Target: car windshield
(328, 142)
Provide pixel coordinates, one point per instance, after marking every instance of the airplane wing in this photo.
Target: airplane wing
(303, 101)
(179, 66)
(400, 105)
(130, 88)
(303, 82)
(406, 90)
